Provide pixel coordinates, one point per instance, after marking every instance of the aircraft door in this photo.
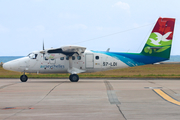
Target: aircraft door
(89, 60)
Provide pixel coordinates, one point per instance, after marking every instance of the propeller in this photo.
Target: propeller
(43, 44)
(43, 51)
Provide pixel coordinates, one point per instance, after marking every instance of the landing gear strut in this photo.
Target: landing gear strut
(23, 78)
(74, 78)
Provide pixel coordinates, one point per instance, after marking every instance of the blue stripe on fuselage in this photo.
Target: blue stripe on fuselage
(133, 59)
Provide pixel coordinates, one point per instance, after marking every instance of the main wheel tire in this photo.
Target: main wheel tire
(74, 78)
(23, 78)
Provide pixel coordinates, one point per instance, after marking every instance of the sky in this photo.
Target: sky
(121, 25)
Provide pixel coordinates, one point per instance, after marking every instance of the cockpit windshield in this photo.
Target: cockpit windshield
(32, 56)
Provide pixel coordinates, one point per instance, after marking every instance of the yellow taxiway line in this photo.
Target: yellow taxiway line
(166, 97)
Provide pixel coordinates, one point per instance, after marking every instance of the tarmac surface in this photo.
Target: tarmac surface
(89, 99)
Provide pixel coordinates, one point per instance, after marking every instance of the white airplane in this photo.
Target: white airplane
(76, 59)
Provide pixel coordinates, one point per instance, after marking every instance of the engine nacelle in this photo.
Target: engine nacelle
(52, 56)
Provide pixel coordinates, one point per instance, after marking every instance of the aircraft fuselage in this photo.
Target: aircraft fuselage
(76, 59)
(87, 61)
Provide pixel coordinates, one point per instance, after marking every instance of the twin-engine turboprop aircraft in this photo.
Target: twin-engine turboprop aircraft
(76, 59)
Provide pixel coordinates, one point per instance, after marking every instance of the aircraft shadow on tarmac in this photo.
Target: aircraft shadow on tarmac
(64, 81)
(48, 82)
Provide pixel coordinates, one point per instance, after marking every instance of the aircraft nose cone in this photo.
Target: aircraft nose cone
(12, 65)
(6, 66)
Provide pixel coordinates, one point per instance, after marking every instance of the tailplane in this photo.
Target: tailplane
(160, 39)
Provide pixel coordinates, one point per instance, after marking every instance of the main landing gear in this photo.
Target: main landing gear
(23, 78)
(74, 78)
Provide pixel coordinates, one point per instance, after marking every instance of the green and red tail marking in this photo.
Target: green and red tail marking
(160, 39)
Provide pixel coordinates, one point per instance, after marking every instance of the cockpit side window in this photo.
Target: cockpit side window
(33, 56)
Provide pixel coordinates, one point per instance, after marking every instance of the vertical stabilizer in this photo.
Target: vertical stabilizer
(160, 39)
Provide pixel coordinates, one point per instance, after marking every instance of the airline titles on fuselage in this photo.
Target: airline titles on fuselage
(52, 66)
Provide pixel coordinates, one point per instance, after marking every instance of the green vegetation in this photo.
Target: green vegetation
(147, 71)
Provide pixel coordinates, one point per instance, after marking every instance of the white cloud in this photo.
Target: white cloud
(3, 29)
(23, 29)
(77, 27)
(38, 0)
(39, 28)
(122, 5)
(99, 28)
(68, 16)
(135, 25)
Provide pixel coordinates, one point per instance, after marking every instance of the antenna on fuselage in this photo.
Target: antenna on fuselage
(108, 50)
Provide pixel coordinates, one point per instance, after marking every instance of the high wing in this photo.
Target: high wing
(66, 50)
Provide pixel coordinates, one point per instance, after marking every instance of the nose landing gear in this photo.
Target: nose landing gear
(74, 78)
(23, 78)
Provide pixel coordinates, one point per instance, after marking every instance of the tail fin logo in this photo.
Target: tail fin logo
(160, 38)
(157, 40)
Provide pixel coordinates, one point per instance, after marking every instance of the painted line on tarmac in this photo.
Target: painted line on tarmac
(166, 97)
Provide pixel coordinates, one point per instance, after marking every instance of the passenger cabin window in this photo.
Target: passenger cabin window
(73, 57)
(61, 58)
(67, 57)
(79, 57)
(33, 56)
(97, 57)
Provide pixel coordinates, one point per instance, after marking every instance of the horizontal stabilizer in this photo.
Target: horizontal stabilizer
(155, 47)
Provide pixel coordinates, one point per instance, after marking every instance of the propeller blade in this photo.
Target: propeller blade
(43, 44)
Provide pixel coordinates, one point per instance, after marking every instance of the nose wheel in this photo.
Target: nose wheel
(23, 78)
(74, 78)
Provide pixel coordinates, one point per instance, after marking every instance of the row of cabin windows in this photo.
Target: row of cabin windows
(73, 58)
(78, 57)
(34, 56)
